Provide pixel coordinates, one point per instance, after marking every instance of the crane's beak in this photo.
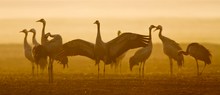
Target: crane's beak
(156, 29)
(21, 31)
(38, 21)
(96, 22)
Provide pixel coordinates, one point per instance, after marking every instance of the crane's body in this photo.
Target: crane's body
(199, 52)
(142, 55)
(50, 48)
(28, 50)
(171, 49)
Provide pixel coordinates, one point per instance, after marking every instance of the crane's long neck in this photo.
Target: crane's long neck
(160, 33)
(43, 39)
(99, 38)
(25, 40)
(150, 30)
(34, 41)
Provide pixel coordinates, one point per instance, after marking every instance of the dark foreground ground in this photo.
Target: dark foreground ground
(79, 84)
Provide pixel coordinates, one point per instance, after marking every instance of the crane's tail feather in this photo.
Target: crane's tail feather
(180, 52)
(40, 56)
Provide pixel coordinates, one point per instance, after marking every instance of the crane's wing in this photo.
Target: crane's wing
(198, 50)
(171, 42)
(40, 56)
(205, 50)
(124, 42)
(78, 47)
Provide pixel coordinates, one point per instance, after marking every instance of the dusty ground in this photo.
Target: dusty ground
(24, 84)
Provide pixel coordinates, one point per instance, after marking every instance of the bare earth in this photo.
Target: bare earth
(24, 84)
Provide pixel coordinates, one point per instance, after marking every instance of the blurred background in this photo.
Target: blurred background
(184, 21)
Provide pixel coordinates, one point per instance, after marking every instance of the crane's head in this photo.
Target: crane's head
(132, 63)
(119, 32)
(32, 30)
(41, 20)
(24, 31)
(151, 27)
(159, 27)
(96, 22)
(47, 35)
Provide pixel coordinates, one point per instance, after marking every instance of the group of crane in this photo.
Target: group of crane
(110, 52)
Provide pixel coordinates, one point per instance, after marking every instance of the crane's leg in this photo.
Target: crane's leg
(143, 69)
(140, 69)
(49, 73)
(32, 69)
(197, 67)
(97, 63)
(37, 70)
(120, 67)
(171, 66)
(203, 69)
(52, 70)
(104, 69)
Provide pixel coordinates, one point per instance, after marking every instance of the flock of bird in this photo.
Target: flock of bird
(111, 52)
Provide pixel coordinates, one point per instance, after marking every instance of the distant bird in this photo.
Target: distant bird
(142, 55)
(28, 50)
(49, 48)
(199, 52)
(110, 51)
(119, 59)
(42, 62)
(171, 48)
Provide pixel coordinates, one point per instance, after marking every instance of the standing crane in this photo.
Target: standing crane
(42, 62)
(199, 52)
(28, 50)
(142, 55)
(171, 48)
(49, 48)
(110, 51)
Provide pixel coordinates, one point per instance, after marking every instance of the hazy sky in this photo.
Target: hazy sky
(109, 8)
(19, 14)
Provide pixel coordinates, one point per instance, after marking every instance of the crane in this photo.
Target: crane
(28, 49)
(199, 52)
(110, 51)
(171, 48)
(142, 55)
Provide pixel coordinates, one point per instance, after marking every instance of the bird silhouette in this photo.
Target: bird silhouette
(28, 50)
(171, 48)
(110, 51)
(42, 62)
(199, 52)
(142, 55)
(49, 48)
